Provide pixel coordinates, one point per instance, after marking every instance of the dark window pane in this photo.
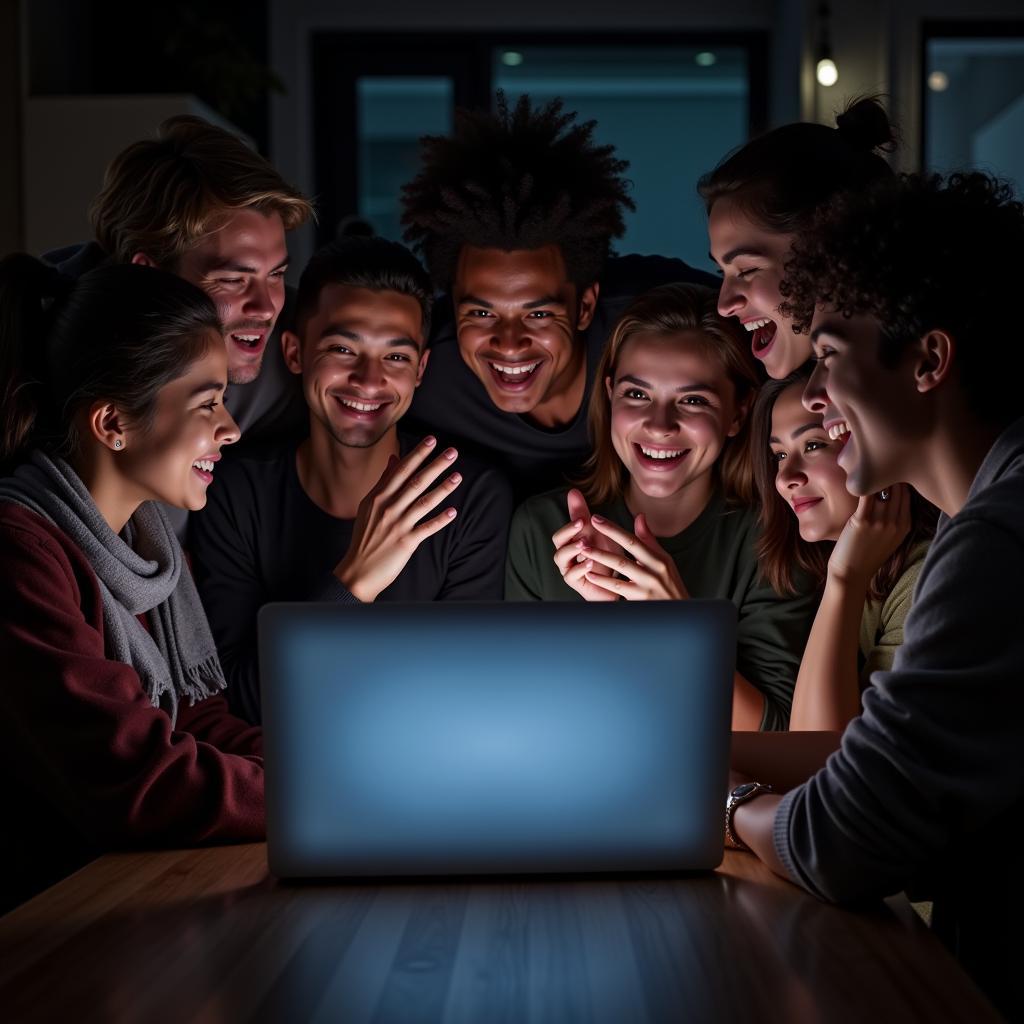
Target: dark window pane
(672, 112)
(393, 113)
(974, 106)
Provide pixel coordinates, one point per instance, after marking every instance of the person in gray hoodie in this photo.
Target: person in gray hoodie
(905, 289)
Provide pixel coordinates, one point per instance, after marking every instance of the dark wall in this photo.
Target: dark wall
(217, 51)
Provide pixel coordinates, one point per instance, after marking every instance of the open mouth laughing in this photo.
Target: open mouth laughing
(250, 342)
(839, 431)
(203, 468)
(516, 376)
(763, 332)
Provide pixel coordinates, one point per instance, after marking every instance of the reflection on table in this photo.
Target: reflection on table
(197, 935)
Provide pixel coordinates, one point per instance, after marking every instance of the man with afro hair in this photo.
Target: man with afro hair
(515, 214)
(918, 378)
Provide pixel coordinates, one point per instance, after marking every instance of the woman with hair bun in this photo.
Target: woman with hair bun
(113, 722)
(760, 196)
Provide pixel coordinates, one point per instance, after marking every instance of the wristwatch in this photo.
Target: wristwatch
(740, 795)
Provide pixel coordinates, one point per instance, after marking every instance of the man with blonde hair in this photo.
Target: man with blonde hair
(198, 202)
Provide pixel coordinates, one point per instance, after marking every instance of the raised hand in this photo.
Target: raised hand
(874, 531)
(645, 570)
(570, 542)
(388, 527)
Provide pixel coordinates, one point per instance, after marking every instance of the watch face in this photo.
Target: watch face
(744, 788)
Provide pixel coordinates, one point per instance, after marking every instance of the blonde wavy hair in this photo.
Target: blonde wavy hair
(162, 196)
(666, 310)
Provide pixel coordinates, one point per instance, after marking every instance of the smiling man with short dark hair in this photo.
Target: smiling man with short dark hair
(359, 511)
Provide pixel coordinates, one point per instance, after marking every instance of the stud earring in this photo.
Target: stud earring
(118, 443)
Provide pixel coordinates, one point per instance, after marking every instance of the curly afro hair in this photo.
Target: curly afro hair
(920, 253)
(522, 178)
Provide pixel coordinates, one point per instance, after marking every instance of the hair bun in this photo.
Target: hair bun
(865, 126)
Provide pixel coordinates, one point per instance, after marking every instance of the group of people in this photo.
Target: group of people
(830, 436)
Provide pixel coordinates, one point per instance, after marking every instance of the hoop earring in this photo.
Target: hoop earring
(118, 443)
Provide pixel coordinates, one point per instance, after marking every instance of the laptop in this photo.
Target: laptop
(453, 739)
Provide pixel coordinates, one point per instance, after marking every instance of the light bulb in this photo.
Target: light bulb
(828, 73)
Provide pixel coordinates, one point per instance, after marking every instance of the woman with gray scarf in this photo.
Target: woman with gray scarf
(114, 727)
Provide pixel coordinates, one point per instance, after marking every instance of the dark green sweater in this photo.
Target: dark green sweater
(716, 558)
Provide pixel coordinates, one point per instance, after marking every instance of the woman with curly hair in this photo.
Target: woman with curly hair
(866, 552)
(670, 485)
(758, 199)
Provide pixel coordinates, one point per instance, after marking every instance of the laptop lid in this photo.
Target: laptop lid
(447, 738)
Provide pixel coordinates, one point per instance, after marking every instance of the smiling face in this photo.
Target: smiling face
(361, 358)
(873, 411)
(752, 260)
(807, 475)
(241, 267)
(672, 407)
(518, 316)
(173, 459)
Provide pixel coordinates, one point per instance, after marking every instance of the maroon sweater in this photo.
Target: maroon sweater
(90, 764)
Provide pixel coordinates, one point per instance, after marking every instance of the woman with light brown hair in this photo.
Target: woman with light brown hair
(866, 552)
(670, 485)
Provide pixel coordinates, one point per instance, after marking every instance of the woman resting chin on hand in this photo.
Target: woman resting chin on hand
(664, 511)
(867, 552)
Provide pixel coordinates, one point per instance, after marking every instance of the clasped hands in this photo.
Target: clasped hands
(603, 562)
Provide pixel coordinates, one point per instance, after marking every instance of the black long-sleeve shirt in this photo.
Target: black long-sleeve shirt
(261, 539)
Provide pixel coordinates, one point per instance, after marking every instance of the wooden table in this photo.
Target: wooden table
(207, 935)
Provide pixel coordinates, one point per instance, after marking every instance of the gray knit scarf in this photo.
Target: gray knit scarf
(142, 570)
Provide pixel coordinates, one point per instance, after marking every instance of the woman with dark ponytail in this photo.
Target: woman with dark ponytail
(760, 196)
(113, 723)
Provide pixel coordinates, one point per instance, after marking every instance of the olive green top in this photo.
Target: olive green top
(716, 558)
(881, 625)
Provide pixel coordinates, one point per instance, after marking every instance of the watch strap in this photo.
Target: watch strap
(740, 795)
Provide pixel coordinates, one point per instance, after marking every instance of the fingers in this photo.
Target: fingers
(571, 554)
(624, 566)
(625, 589)
(642, 530)
(578, 577)
(647, 553)
(403, 495)
(562, 536)
(566, 556)
(402, 475)
(431, 526)
(418, 508)
(577, 505)
(890, 510)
